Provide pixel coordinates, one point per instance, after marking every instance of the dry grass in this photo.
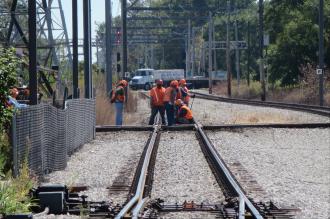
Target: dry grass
(257, 118)
(105, 111)
(306, 92)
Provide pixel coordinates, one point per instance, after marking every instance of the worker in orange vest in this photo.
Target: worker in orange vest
(184, 94)
(169, 101)
(157, 102)
(185, 115)
(118, 97)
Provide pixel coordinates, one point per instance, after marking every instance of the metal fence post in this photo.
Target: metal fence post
(14, 146)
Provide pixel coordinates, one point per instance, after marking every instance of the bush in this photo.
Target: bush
(13, 192)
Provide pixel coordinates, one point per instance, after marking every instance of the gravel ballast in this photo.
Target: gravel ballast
(291, 165)
(210, 112)
(100, 163)
(182, 172)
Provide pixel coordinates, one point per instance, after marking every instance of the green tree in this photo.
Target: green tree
(293, 28)
(8, 67)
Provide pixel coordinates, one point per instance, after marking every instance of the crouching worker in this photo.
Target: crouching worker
(185, 115)
(157, 102)
(118, 97)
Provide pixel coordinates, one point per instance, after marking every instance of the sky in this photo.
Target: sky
(97, 16)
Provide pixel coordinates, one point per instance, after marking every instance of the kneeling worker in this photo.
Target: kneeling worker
(157, 102)
(185, 115)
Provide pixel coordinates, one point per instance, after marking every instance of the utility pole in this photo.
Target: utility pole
(33, 79)
(163, 57)
(188, 49)
(210, 52)
(152, 57)
(108, 43)
(228, 52)
(261, 45)
(124, 36)
(321, 51)
(214, 50)
(75, 48)
(248, 55)
(237, 57)
(87, 48)
(193, 52)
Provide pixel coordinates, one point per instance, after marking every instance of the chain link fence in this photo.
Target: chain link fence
(45, 136)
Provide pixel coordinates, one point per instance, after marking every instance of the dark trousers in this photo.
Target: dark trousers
(169, 114)
(154, 111)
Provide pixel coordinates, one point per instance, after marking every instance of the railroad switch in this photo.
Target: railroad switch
(59, 199)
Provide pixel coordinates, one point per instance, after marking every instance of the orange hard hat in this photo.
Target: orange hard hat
(159, 82)
(174, 83)
(182, 82)
(178, 102)
(123, 82)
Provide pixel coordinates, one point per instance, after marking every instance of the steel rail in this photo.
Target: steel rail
(111, 128)
(324, 111)
(275, 125)
(138, 196)
(220, 163)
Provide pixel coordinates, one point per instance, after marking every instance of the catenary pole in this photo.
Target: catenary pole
(75, 48)
(321, 51)
(124, 36)
(261, 50)
(33, 79)
(108, 43)
(228, 52)
(87, 48)
(210, 52)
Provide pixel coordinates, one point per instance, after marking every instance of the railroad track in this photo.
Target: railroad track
(139, 204)
(237, 204)
(319, 110)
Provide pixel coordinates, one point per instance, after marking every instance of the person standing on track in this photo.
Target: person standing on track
(169, 101)
(118, 97)
(184, 94)
(185, 115)
(157, 102)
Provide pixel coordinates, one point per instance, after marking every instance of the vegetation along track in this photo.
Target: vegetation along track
(319, 110)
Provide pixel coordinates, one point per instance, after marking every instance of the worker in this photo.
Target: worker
(118, 97)
(169, 101)
(157, 102)
(12, 102)
(185, 115)
(184, 92)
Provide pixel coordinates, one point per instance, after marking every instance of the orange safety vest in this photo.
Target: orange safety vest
(189, 114)
(157, 96)
(168, 93)
(119, 97)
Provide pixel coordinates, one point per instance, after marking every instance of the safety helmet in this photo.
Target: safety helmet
(174, 83)
(123, 82)
(182, 82)
(178, 102)
(159, 82)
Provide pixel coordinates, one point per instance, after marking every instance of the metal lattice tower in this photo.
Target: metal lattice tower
(52, 36)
